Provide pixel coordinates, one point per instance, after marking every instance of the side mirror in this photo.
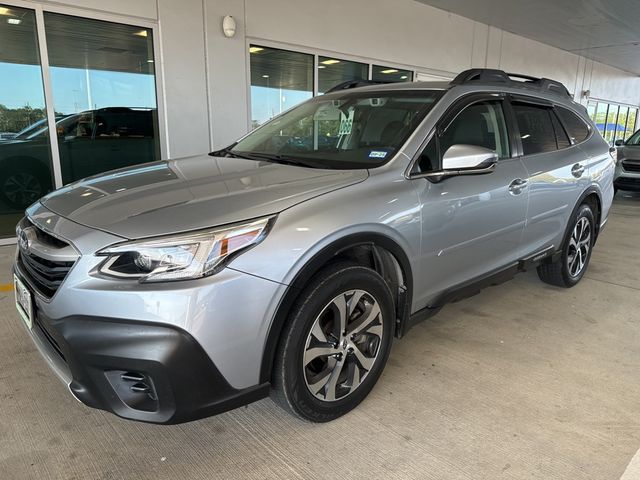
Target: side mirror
(469, 158)
(619, 142)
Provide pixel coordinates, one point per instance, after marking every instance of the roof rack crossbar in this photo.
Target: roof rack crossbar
(493, 76)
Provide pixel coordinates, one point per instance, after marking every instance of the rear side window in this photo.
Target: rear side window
(578, 130)
(536, 128)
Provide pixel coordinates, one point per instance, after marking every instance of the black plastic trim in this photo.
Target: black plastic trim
(187, 384)
(313, 266)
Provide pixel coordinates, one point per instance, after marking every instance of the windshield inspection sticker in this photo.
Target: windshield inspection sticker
(377, 154)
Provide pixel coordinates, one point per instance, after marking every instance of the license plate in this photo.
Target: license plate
(24, 302)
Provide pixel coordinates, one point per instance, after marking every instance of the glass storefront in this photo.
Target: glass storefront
(613, 121)
(390, 74)
(333, 71)
(103, 82)
(280, 79)
(25, 154)
(102, 78)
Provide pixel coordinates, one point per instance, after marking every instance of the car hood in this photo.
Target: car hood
(631, 152)
(191, 193)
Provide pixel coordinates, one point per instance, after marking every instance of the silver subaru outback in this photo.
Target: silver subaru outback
(286, 264)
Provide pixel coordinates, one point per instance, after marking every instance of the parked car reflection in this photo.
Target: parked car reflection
(90, 142)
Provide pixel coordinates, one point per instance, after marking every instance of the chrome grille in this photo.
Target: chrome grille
(42, 258)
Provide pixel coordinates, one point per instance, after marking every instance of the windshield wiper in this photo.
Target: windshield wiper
(275, 158)
(283, 159)
(225, 152)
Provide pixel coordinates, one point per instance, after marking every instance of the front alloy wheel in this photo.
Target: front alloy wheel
(343, 345)
(335, 343)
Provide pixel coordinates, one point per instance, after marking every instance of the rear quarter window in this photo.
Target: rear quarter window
(576, 127)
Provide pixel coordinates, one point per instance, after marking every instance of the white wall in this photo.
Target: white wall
(206, 74)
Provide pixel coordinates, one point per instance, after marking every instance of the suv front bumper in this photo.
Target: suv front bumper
(140, 371)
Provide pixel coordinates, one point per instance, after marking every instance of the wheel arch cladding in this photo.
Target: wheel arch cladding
(374, 250)
(592, 198)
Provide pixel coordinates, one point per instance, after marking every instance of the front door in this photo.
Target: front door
(472, 225)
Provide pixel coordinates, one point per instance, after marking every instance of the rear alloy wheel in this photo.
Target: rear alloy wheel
(579, 247)
(335, 344)
(569, 269)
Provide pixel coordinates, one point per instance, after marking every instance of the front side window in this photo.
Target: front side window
(340, 131)
(481, 124)
(536, 128)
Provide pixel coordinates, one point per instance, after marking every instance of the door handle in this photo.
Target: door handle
(517, 186)
(577, 170)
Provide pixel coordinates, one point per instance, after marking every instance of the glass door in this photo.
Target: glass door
(104, 95)
(25, 153)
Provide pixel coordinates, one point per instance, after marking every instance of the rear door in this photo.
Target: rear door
(557, 173)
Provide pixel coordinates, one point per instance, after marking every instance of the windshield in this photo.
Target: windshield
(634, 140)
(342, 131)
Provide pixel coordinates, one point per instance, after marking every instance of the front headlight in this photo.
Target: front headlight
(183, 256)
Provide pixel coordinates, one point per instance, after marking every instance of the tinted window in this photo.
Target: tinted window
(562, 140)
(480, 124)
(536, 128)
(577, 129)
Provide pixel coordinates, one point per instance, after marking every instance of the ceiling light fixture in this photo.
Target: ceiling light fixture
(403, 77)
(141, 33)
(321, 66)
(330, 61)
(5, 11)
(14, 21)
(255, 49)
(265, 76)
(389, 70)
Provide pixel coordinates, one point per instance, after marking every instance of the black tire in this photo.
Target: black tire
(564, 272)
(11, 194)
(315, 305)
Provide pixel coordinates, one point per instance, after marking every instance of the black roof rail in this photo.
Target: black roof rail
(498, 76)
(349, 84)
